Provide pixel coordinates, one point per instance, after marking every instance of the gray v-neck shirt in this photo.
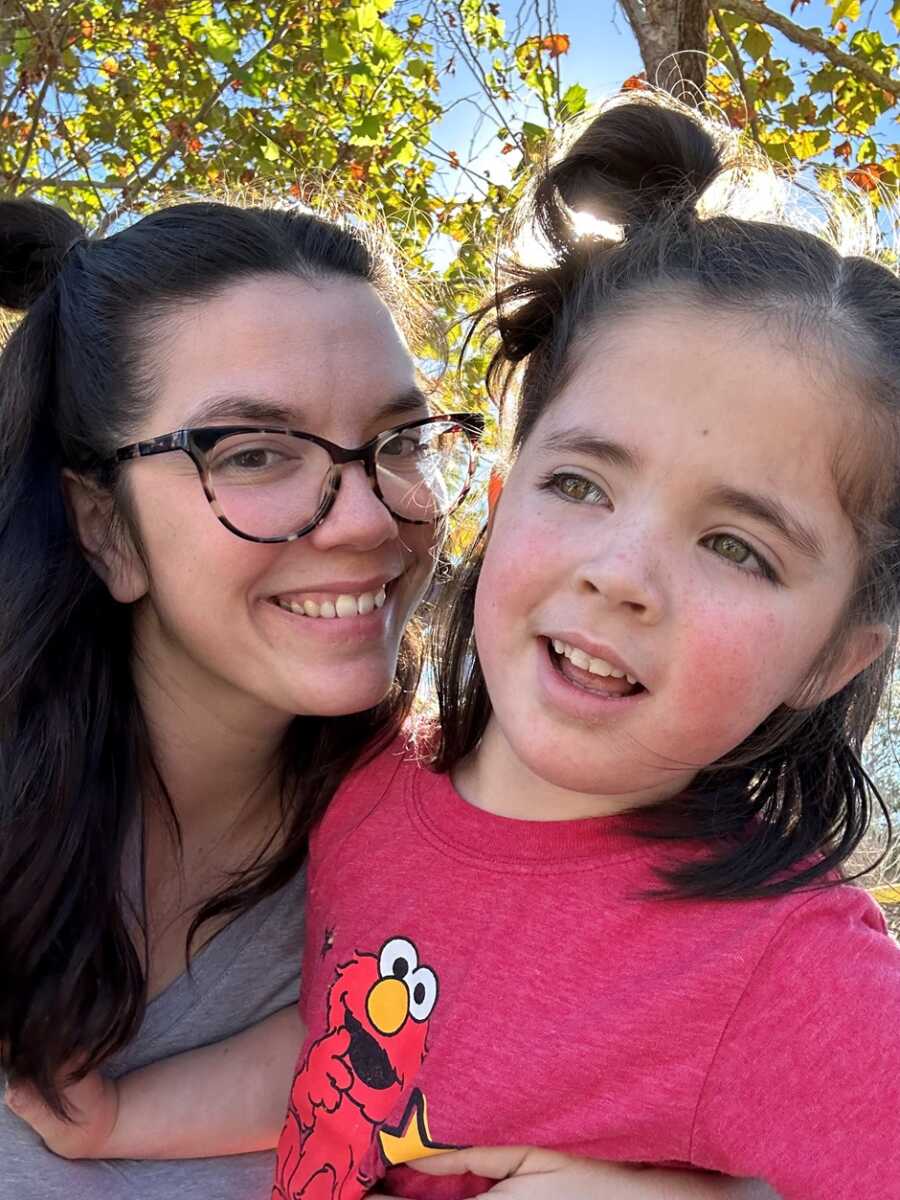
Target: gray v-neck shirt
(249, 970)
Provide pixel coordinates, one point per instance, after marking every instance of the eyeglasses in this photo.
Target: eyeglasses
(275, 485)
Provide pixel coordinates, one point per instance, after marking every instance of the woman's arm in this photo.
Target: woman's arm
(530, 1174)
(227, 1098)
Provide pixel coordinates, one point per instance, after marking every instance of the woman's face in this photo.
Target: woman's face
(217, 616)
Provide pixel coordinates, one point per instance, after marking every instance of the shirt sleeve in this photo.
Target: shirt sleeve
(804, 1087)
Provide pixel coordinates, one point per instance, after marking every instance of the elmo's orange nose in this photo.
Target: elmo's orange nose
(388, 1005)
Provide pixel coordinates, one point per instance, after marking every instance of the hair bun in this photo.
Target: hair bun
(637, 161)
(34, 238)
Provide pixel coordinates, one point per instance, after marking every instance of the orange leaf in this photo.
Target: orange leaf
(556, 44)
(357, 170)
(454, 158)
(507, 148)
(87, 29)
(866, 176)
(634, 83)
(844, 150)
(194, 145)
(841, 27)
(110, 66)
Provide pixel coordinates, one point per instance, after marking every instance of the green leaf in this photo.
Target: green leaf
(271, 151)
(222, 42)
(868, 151)
(845, 10)
(575, 98)
(757, 42)
(335, 49)
(366, 17)
(367, 132)
(895, 14)
(22, 43)
(402, 152)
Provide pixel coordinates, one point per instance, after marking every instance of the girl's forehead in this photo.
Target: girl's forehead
(687, 382)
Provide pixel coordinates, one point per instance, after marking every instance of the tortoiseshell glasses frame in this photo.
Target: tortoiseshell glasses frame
(198, 442)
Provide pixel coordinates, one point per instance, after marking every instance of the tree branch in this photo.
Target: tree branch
(32, 133)
(739, 73)
(138, 181)
(760, 14)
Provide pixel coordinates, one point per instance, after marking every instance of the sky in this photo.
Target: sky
(603, 53)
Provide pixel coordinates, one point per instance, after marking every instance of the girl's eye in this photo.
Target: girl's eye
(577, 488)
(736, 551)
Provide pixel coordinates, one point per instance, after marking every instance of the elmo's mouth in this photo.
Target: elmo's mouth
(368, 1060)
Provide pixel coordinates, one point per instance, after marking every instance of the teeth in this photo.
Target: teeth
(342, 606)
(596, 666)
(346, 606)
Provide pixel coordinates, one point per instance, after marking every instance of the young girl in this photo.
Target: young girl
(608, 918)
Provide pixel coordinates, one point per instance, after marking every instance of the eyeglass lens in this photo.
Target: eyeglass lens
(271, 485)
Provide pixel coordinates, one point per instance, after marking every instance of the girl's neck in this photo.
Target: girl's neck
(496, 780)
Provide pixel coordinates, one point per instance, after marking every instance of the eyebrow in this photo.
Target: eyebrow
(240, 407)
(772, 512)
(579, 441)
(797, 533)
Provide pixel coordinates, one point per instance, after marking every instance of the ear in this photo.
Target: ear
(861, 646)
(109, 551)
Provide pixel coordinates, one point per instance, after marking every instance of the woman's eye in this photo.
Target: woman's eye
(577, 488)
(736, 551)
(250, 458)
(401, 447)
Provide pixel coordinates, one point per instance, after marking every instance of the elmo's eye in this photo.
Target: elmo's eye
(423, 991)
(398, 959)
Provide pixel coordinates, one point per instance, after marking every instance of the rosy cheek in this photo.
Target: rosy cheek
(735, 672)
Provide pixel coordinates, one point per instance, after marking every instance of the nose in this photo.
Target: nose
(626, 574)
(387, 1005)
(357, 518)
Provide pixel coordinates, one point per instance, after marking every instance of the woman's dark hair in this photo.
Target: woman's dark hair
(788, 806)
(75, 756)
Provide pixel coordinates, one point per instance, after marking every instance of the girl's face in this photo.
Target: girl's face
(673, 516)
(324, 357)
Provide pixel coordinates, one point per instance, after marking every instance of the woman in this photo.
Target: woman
(204, 622)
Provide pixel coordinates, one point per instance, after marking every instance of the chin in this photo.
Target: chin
(338, 703)
(589, 779)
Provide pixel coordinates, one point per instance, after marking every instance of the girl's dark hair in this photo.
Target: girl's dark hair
(788, 806)
(75, 756)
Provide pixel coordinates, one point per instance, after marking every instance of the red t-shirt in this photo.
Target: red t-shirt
(475, 980)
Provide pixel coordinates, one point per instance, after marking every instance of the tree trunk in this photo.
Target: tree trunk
(672, 37)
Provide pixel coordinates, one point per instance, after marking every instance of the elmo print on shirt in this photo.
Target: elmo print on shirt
(356, 1075)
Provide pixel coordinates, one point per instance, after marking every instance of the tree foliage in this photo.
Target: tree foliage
(106, 105)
